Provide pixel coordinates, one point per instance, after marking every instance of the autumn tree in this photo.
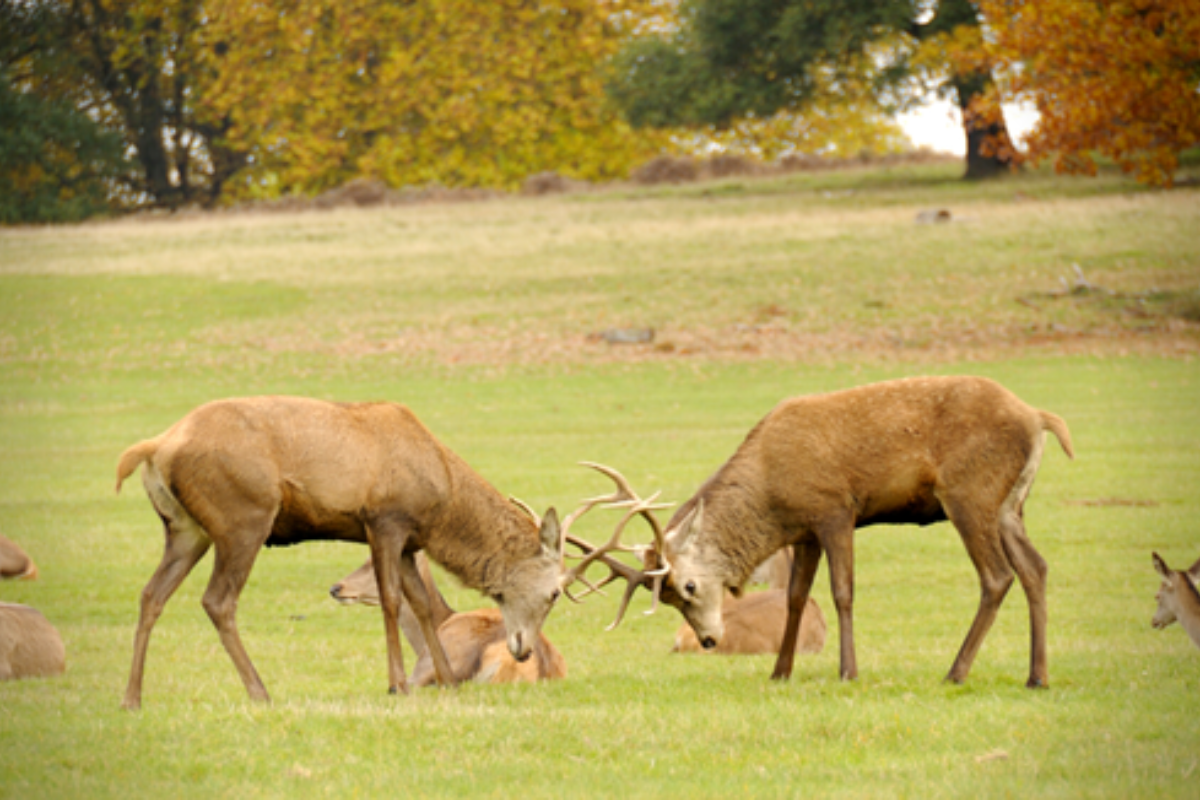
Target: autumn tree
(728, 60)
(453, 92)
(131, 67)
(1116, 78)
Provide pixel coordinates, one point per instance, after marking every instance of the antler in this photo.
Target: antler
(623, 497)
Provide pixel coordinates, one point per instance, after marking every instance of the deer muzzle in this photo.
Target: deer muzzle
(516, 645)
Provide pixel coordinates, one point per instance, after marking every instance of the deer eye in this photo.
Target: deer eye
(499, 598)
(554, 596)
(690, 588)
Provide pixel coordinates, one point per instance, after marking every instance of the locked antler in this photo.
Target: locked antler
(624, 497)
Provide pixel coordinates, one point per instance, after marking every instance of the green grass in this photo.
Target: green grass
(477, 316)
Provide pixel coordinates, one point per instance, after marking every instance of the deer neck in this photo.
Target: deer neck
(739, 530)
(480, 535)
(1188, 606)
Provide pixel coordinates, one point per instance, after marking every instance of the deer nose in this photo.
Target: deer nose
(516, 646)
(335, 591)
(709, 642)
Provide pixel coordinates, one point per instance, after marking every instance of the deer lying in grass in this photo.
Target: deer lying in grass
(755, 623)
(474, 641)
(30, 647)
(14, 563)
(816, 468)
(1178, 598)
(242, 473)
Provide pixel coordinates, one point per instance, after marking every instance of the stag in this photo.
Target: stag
(474, 641)
(239, 474)
(816, 468)
(1178, 598)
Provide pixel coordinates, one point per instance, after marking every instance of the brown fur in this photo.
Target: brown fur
(474, 641)
(755, 623)
(361, 587)
(14, 563)
(1178, 599)
(30, 647)
(816, 468)
(237, 474)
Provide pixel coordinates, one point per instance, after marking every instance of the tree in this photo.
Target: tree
(1119, 79)
(56, 163)
(730, 59)
(454, 92)
(131, 66)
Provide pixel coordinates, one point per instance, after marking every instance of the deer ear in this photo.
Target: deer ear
(551, 541)
(683, 535)
(1161, 565)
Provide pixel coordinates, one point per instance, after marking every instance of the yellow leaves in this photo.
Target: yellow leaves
(449, 91)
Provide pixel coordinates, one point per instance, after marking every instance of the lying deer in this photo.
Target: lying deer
(14, 563)
(816, 468)
(474, 641)
(30, 647)
(1178, 598)
(755, 623)
(242, 473)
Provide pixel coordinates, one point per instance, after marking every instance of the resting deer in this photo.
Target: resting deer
(755, 623)
(30, 647)
(816, 468)
(1178, 598)
(474, 641)
(14, 563)
(242, 473)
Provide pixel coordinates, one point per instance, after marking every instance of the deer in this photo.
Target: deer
(14, 563)
(30, 647)
(474, 641)
(1178, 598)
(754, 623)
(242, 473)
(818, 467)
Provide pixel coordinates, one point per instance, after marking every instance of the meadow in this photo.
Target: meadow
(489, 320)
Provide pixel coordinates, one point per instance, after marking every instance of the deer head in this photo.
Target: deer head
(696, 590)
(529, 589)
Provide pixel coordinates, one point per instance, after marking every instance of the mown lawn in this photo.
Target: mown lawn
(482, 318)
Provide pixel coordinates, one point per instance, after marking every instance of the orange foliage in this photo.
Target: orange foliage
(1118, 79)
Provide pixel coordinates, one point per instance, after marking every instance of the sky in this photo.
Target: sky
(938, 125)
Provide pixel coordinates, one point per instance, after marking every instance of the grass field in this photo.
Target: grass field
(487, 319)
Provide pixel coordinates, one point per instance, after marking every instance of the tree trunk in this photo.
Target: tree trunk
(989, 148)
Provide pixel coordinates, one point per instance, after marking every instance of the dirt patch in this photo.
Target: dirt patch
(485, 346)
(1106, 502)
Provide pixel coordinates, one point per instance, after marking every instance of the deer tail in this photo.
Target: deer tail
(1056, 425)
(133, 457)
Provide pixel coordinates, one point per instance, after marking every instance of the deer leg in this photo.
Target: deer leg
(418, 598)
(234, 560)
(1031, 570)
(804, 569)
(386, 547)
(980, 533)
(185, 545)
(837, 540)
